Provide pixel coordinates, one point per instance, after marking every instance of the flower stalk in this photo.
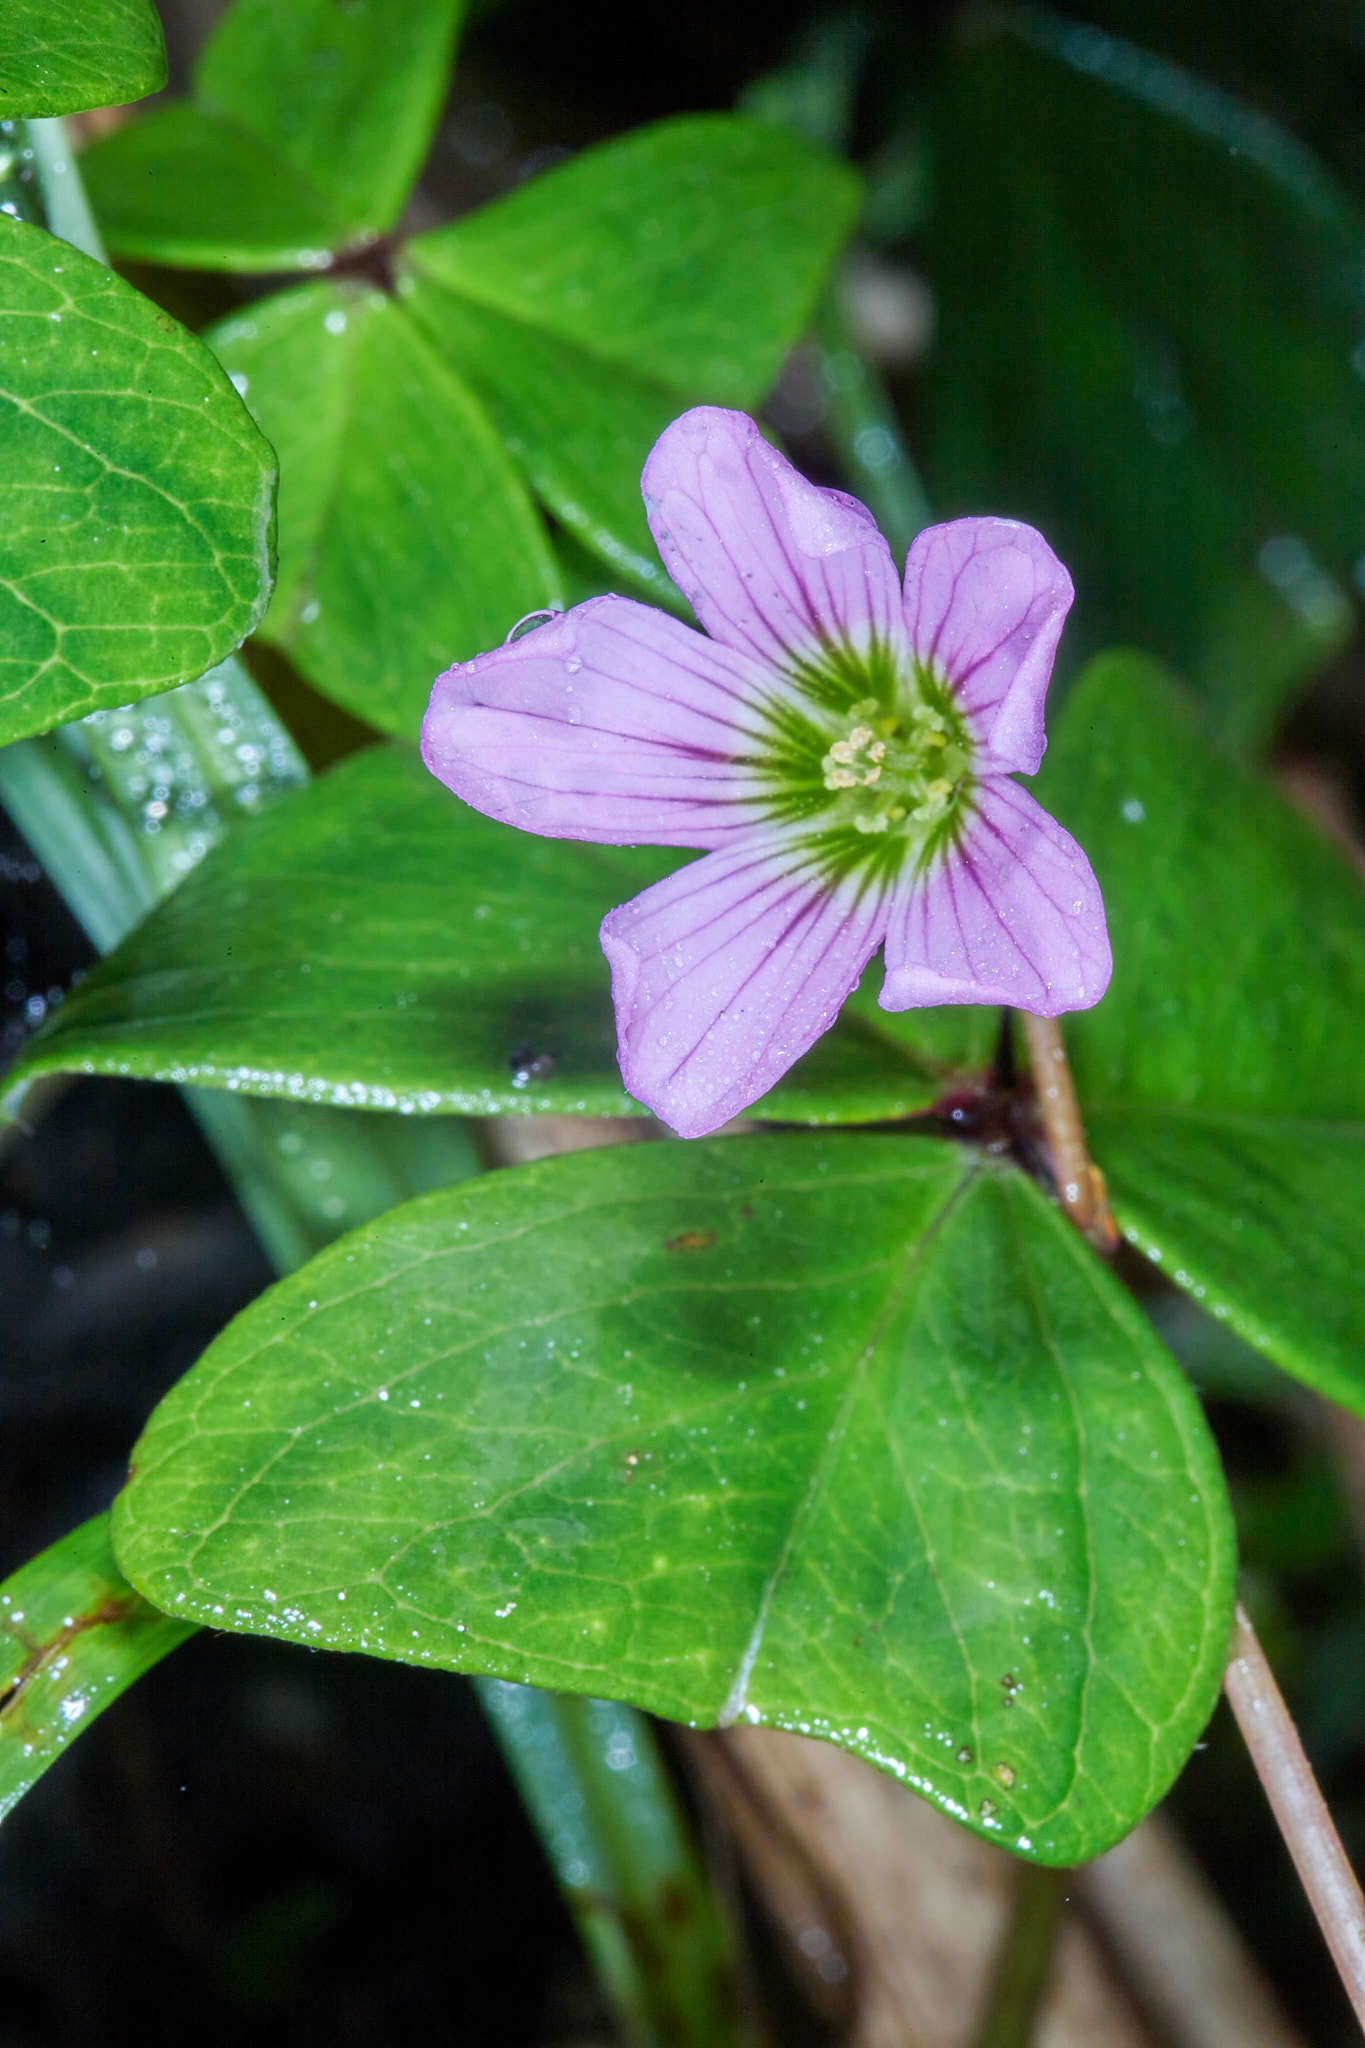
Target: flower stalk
(1080, 1184)
(1300, 1811)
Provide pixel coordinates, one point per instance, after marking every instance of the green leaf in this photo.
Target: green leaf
(372, 942)
(407, 540)
(184, 187)
(1259, 1220)
(1220, 1077)
(73, 1636)
(1148, 297)
(850, 1437)
(61, 56)
(674, 266)
(579, 429)
(137, 494)
(306, 132)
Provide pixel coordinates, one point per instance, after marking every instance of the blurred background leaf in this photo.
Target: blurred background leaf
(407, 540)
(1150, 305)
(305, 135)
(675, 266)
(1220, 1077)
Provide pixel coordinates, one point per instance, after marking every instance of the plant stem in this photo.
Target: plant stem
(1177, 1945)
(1080, 1184)
(1023, 1967)
(1299, 1808)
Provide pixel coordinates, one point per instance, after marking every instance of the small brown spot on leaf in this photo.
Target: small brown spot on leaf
(690, 1241)
(1003, 1774)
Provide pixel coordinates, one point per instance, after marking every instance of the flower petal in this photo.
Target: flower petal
(985, 601)
(725, 973)
(1011, 915)
(614, 723)
(771, 565)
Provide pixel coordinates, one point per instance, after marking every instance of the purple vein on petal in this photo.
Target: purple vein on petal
(985, 923)
(985, 601)
(744, 537)
(717, 998)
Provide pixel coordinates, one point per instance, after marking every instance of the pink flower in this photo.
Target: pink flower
(841, 748)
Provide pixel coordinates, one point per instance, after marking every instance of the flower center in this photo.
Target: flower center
(895, 769)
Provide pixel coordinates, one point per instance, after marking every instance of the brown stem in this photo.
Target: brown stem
(1177, 1946)
(1080, 1184)
(1298, 1806)
(892, 1915)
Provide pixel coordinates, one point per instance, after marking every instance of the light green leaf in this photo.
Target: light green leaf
(407, 541)
(61, 56)
(180, 186)
(675, 266)
(688, 252)
(1220, 1076)
(306, 132)
(137, 494)
(579, 429)
(850, 1437)
(73, 1636)
(1147, 301)
(372, 942)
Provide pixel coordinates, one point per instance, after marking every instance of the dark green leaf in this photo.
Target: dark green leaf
(1148, 300)
(675, 266)
(851, 1437)
(1258, 1219)
(73, 1636)
(137, 494)
(1221, 1075)
(373, 942)
(407, 541)
(307, 130)
(60, 56)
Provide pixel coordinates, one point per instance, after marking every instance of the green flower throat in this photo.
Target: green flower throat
(877, 752)
(893, 773)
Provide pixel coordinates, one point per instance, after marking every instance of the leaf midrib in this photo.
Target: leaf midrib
(735, 1700)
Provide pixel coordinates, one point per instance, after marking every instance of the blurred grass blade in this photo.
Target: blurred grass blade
(593, 1780)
